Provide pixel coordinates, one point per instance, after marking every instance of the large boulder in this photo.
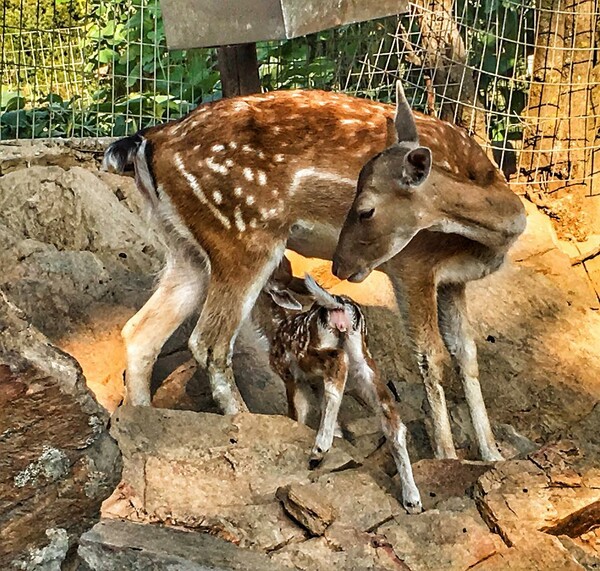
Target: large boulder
(57, 461)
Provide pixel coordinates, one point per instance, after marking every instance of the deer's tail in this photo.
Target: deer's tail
(121, 154)
(135, 151)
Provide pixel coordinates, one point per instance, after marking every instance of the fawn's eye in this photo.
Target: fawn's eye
(366, 214)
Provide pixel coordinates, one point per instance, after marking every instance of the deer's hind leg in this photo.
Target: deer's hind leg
(375, 393)
(236, 282)
(458, 336)
(180, 292)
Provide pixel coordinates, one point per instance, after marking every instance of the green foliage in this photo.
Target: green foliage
(42, 14)
(132, 80)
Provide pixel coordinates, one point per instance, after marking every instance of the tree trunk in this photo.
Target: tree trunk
(556, 160)
(446, 58)
(238, 66)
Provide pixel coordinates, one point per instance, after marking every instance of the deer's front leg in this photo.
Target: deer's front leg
(235, 284)
(334, 365)
(418, 301)
(180, 292)
(458, 336)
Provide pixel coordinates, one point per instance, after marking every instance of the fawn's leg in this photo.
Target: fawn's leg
(458, 336)
(180, 292)
(297, 395)
(373, 391)
(236, 282)
(417, 300)
(334, 365)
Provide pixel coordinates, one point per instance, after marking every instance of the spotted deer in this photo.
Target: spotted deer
(235, 181)
(328, 344)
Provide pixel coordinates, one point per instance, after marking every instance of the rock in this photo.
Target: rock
(541, 553)
(342, 549)
(75, 246)
(361, 498)
(307, 507)
(577, 523)
(127, 546)
(57, 152)
(439, 480)
(48, 558)
(212, 472)
(57, 461)
(518, 498)
(442, 540)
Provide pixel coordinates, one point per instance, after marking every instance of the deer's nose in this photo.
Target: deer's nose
(339, 269)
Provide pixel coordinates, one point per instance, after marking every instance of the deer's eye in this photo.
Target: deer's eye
(366, 214)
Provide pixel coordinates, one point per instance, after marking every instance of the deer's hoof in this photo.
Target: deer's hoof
(492, 456)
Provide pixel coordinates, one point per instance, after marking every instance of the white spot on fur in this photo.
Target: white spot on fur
(239, 221)
(218, 197)
(216, 167)
(238, 191)
(261, 155)
(229, 163)
(262, 177)
(248, 174)
(249, 200)
(270, 213)
(233, 145)
(247, 149)
(279, 158)
(217, 148)
(351, 121)
(197, 189)
(253, 223)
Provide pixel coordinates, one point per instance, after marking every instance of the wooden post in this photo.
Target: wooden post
(238, 66)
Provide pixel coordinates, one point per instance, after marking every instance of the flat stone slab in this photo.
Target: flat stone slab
(124, 546)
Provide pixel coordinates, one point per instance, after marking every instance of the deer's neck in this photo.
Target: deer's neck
(490, 215)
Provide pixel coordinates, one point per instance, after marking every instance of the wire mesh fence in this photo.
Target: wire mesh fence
(522, 78)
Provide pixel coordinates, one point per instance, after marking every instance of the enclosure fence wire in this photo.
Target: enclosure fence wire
(522, 79)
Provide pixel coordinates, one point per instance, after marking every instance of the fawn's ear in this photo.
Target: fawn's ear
(283, 298)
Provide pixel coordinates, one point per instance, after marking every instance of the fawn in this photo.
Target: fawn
(235, 181)
(328, 343)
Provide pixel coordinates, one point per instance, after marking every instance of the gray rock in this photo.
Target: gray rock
(124, 546)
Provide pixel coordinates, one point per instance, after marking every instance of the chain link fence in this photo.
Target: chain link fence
(522, 78)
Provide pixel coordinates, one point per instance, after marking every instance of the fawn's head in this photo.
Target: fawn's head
(388, 208)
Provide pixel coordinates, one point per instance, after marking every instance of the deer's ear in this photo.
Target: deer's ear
(285, 299)
(406, 128)
(417, 166)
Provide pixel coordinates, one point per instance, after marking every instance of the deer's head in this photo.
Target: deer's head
(389, 208)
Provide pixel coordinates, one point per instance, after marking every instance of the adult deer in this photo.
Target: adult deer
(237, 180)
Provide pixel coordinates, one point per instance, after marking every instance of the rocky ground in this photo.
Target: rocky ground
(199, 490)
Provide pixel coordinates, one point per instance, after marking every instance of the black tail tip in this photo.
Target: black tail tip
(120, 154)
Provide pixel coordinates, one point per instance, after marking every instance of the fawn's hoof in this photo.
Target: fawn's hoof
(411, 500)
(413, 508)
(316, 457)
